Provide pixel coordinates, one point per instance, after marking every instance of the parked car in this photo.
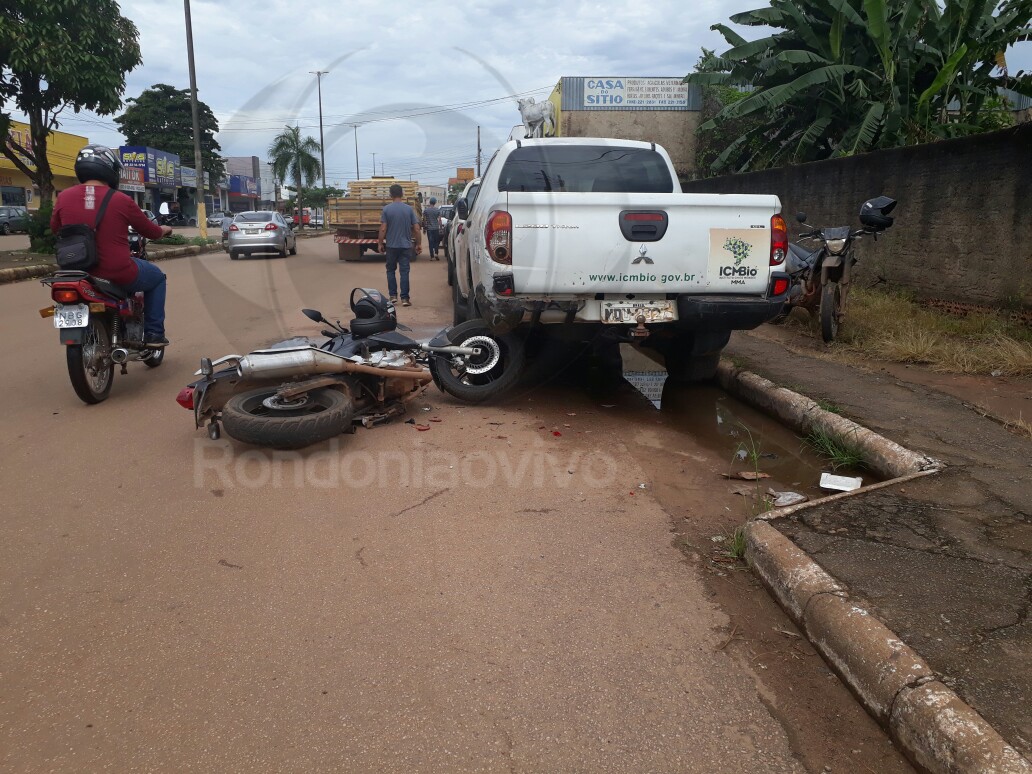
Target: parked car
(13, 219)
(215, 219)
(456, 236)
(447, 214)
(260, 232)
(593, 236)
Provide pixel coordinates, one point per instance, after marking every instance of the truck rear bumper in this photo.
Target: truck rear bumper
(708, 313)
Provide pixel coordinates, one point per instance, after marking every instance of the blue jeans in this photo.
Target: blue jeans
(151, 281)
(433, 240)
(398, 258)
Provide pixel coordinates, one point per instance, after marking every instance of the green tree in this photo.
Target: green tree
(58, 55)
(295, 158)
(161, 117)
(839, 77)
(317, 196)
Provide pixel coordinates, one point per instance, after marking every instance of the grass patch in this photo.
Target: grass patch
(838, 453)
(734, 544)
(829, 406)
(202, 242)
(894, 327)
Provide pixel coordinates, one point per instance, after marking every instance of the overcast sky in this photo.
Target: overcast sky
(444, 68)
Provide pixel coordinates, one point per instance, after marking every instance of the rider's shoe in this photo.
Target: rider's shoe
(155, 341)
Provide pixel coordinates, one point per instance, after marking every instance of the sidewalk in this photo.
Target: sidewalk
(945, 561)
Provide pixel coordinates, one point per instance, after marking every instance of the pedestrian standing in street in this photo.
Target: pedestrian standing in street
(432, 227)
(399, 236)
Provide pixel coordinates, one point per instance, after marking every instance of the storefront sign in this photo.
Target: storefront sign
(132, 179)
(189, 177)
(159, 167)
(242, 185)
(668, 93)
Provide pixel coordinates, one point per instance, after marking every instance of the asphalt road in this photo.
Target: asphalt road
(494, 594)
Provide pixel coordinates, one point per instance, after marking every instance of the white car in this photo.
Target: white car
(456, 241)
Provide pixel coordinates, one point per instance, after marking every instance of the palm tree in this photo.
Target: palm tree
(295, 158)
(839, 77)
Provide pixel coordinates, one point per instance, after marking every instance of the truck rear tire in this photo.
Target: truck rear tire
(686, 368)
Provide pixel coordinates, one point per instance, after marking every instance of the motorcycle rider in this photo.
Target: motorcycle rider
(98, 168)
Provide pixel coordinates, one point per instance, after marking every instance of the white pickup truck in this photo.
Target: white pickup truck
(576, 232)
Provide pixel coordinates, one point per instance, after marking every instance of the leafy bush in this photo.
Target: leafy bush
(172, 239)
(201, 241)
(41, 238)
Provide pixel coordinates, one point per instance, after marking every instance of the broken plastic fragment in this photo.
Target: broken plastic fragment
(840, 483)
(785, 499)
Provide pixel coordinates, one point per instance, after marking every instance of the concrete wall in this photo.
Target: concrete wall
(675, 130)
(963, 224)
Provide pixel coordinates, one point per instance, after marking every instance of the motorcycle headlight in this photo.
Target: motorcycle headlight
(836, 246)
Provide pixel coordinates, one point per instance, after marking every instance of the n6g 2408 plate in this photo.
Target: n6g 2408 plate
(624, 312)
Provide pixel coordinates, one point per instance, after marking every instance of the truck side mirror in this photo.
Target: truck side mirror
(462, 208)
(801, 217)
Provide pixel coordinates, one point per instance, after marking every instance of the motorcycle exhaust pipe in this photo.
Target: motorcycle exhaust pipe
(296, 362)
(120, 355)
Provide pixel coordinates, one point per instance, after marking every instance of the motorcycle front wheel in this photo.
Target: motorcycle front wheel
(831, 295)
(259, 418)
(89, 364)
(488, 374)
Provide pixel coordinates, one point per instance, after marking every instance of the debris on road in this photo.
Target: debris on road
(747, 475)
(422, 428)
(840, 483)
(785, 499)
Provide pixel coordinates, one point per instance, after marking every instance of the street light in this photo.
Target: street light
(202, 219)
(322, 147)
(374, 164)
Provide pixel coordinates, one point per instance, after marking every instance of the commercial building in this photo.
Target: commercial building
(436, 191)
(150, 175)
(16, 189)
(244, 176)
(660, 110)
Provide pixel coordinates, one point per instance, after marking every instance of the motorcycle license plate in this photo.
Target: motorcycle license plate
(623, 312)
(71, 316)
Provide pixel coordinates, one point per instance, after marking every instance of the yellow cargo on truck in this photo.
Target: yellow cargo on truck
(356, 217)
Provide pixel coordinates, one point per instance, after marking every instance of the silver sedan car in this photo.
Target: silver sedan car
(260, 232)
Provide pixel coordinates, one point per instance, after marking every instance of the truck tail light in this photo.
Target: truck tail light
(498, 235)
(778, 240)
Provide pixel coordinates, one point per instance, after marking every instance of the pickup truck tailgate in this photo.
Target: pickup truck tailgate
(573, 244)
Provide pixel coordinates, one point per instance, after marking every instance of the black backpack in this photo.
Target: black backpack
(77, 243)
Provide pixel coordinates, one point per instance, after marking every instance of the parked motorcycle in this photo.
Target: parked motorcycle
(821, 277)
(101, 326)
(292, 397)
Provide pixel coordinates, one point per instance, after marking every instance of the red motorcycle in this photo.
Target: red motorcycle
(101, 326)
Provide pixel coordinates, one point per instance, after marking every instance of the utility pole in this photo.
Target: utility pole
(358, 175)
(202, 220)
(322, 147)
(381, 169)
(374, 164)
(478, 151)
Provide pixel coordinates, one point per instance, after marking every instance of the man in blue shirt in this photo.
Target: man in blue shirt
(432, 226)
(399, 233)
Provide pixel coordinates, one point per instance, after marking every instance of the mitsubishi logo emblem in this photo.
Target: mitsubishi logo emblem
(643, 256)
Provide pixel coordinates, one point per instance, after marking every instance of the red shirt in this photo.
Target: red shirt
(80, 204)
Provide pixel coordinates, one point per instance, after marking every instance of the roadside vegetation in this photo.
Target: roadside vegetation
(839, 454)
(894, 327)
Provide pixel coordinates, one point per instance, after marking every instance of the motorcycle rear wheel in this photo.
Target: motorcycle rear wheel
(483, 377)
(830, 300)
(257, 418)
(91, 377)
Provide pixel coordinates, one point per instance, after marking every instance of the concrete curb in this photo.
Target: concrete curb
(931, 723)
(18, 273)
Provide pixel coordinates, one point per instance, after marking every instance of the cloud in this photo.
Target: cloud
(398, 59)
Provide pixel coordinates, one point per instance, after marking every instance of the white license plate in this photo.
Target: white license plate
(252, 231)
(623, 312)
(73, 316)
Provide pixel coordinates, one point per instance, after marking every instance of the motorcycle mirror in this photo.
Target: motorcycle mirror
(314, 316)
(801, 217)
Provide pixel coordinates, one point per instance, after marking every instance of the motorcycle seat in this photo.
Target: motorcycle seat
(109, 288)
(391, 340)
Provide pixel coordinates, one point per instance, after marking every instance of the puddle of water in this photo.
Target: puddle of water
(749, 440)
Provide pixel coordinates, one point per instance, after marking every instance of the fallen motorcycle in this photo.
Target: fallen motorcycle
(292, 397)
(821, 277)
